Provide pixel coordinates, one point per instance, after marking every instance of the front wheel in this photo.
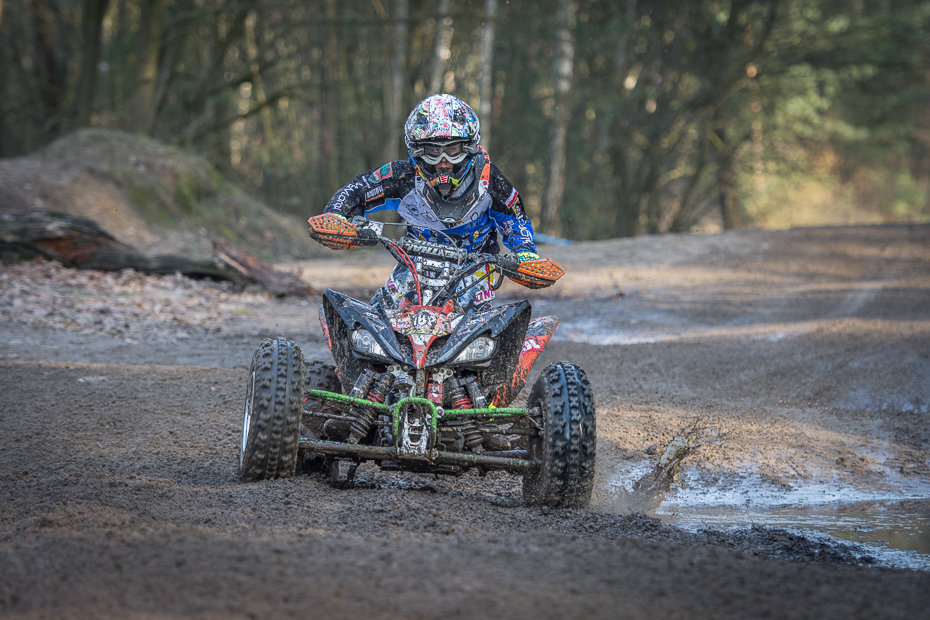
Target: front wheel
(565, 450)
(273, 407)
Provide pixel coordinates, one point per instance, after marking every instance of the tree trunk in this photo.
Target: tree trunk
(726, 174)
(94, 12)
(278, 283)
(622, 200)
(729, 204)
(443, 41)
(920, 149)
(164, 80)
(563, 69)
(612, 101)
(681, 218)
(80, 243)
(52, 90)
(224, 36)
(153, 19)
(257, 83)
(398, 66)
(487, 72)
(330, 101)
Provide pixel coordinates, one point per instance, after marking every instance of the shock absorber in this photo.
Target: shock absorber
(363, 383)
(476, 393)
(459, 390)
(338, 430)
(376, 388)
(458, 396)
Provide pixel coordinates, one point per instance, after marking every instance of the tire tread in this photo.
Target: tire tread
(568, 448)
(277, 406)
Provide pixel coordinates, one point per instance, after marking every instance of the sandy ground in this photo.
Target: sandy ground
(804, 355)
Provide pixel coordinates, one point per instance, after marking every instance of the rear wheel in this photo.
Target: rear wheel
(273, 403)
(565, 450)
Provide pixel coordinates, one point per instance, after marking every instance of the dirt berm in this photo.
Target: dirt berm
(155, 198)
(808, 350)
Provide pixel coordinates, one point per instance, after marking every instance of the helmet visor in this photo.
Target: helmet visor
(434, 152)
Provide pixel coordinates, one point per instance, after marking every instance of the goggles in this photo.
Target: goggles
(433, 152)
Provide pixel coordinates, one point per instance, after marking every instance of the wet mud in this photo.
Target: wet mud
(806, 352)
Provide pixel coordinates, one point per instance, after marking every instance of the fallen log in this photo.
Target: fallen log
(80, 243)
(278, 283)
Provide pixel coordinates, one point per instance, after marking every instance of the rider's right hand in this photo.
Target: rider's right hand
(334, 231)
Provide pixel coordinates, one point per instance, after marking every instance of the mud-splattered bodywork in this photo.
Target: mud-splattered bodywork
(427, 372)
(425, 337)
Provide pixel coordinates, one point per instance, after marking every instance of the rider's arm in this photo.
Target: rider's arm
(373, 190)
(508, 214)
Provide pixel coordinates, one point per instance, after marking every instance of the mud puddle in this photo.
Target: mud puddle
(894, 533)
(891, 526)
(645, 331)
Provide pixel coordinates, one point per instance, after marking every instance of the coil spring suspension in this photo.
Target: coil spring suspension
(462, 393)
(473, 437)
(458, 396)
(375, 388)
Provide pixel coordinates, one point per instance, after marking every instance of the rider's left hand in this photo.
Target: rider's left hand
(535, 272)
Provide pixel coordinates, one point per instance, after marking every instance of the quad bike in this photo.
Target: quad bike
(424, 385)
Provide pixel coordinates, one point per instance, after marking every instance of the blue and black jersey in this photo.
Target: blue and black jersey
(497, 209)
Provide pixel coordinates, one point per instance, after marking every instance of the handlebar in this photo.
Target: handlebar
(426, 249)
(369, 233)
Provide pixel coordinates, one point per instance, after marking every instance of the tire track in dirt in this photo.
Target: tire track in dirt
(120, 495)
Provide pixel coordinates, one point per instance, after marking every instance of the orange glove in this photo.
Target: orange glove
(538, 273)
(333, 231)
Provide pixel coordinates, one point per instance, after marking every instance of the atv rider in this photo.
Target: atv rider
(448, 192)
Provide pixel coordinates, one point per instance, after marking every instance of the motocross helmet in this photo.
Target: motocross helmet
(442, 127)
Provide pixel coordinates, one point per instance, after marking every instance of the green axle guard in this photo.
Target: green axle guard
(488, 414)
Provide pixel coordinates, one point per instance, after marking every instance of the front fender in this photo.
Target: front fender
(537, 336)
(507, 324)
(343, 314)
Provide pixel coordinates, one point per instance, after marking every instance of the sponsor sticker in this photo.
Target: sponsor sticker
(424, 320)
(374, 193)
(512, 200)
(531, 344)
(384, 172)
(514, 203)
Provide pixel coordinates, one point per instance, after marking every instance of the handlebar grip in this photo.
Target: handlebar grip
(366, 236)
(368, 231)
(507, 263)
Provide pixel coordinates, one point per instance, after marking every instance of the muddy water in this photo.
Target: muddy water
(894, 533)
(893, 527)
(839, 409)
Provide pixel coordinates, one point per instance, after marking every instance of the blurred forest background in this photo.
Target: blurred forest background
(613, 117)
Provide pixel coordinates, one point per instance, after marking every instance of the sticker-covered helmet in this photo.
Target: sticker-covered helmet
(442, 127)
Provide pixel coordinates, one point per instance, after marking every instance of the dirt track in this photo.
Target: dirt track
(807, 351)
